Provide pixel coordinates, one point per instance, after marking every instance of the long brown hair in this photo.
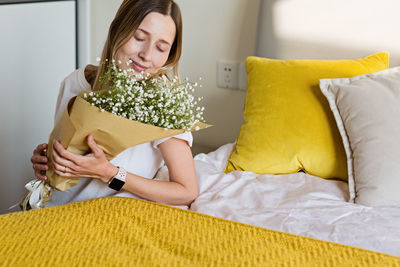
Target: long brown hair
(128, 18)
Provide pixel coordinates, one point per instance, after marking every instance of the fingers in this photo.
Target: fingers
(63, 171)
(63, 153)
(60, 168)
(40, 167)
(40, 171)
(44, 152)
(68, 164)
(93, 145)
(39, 159)
(39, 149)
(58, 159)
(62, 163)
(40, 175)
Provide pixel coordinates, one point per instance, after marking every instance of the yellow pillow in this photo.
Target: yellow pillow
(288, 123)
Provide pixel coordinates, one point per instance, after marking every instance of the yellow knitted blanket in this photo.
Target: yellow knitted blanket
(130, 232)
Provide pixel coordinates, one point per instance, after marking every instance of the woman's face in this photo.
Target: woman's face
(150, 45)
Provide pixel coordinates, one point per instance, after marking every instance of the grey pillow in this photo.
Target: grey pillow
(367, 112)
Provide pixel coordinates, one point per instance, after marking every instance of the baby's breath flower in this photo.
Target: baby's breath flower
(158, 101)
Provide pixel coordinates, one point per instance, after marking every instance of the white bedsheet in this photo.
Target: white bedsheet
(298, 203)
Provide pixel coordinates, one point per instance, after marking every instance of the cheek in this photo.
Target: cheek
(160, 59)
(128, 50)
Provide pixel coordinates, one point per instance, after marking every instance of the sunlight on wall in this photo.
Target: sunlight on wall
(365, 25)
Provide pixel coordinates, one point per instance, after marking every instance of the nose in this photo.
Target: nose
(145, 53)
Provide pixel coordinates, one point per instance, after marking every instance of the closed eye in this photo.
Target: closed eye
(160, 49)
(139, 39)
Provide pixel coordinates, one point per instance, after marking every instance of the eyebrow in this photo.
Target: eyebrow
(146, 32)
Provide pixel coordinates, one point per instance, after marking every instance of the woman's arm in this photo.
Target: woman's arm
(182, 189)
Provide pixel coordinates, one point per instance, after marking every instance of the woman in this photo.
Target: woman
(147, 33)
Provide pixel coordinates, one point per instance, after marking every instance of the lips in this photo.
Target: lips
(137, 66)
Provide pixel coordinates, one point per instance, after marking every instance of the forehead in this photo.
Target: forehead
(159, 26)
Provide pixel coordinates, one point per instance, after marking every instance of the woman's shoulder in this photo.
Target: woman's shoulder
(71, 86)
(82, 78)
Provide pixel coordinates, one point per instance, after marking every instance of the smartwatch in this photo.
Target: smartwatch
(118, 181)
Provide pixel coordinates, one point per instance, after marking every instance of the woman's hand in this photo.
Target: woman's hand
(39, 161)
(93, 165)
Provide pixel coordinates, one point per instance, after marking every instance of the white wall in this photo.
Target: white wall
(35, 57)
(226, 29)
(213, 30)
(102, 13)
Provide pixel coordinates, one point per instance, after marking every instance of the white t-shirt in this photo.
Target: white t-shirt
(143, 160)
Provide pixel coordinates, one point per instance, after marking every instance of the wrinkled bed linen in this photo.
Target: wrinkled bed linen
(297, 203)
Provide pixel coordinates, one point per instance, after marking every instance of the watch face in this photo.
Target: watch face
(116, 184)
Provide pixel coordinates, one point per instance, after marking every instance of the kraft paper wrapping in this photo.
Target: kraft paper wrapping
(112, 133)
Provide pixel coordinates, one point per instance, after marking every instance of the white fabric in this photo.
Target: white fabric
(367, 112)
(297, 203)
(37, 191)
(143, 160)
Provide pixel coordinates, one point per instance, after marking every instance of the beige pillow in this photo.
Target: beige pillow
(367, 112)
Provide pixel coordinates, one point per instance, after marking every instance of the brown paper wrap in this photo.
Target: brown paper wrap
(112, 133)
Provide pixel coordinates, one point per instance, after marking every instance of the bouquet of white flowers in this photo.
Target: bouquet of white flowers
(158, 101)
(133, 109)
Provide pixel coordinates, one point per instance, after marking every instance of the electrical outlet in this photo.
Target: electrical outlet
(227, 74)
(242, 74)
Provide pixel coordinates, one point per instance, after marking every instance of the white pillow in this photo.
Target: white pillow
(367, 112)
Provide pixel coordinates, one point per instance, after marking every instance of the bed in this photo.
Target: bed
(282, 194)
(239, 219)
(115, 231)
(298, 203)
